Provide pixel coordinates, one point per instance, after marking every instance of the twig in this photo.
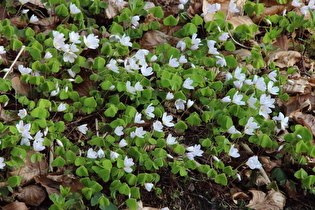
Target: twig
(17, 57)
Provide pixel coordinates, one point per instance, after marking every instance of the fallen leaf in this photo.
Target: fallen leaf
(32, 195)
(20, 87)
(307, 120)
(29, 170)
(283, 59)
(269, 11)
(240, 20)
(153, 38)
(273, 201)
(269, 164)
(298, 85)
(239, 195)
(6, 116)
(15, 206)
(114, 8)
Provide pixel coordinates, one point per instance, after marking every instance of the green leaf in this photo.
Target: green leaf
(99, 63)
(90, 102)
(58, 162)
(14, 181)
(111, 111)
(124, 189)
(132, 203)
(221, 179)
(193, 119)
(16, 44)
(197, 20)
(62, 10)
(5, 85)
(170, 21)
(229, 46)
(40, 113)
(157, 12)
(82, 171)
(181, 126)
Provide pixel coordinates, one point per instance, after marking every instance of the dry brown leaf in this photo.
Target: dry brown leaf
(306, 120)
(240, 20)
(273, 201)
(29, 170)
(32, 195)
(269, 164)
(282, 42)
(52, 182)
(153, 38)
(276, 9)
(6, 116)
(15, 206)
(114, 8)
(239, 195)
(290, 189)
(283, 59)
(48, 24)
(140, 206)
(299, 85)
(298, 102)
(20, 87)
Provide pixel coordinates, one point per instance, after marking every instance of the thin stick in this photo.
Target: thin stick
(17, 57)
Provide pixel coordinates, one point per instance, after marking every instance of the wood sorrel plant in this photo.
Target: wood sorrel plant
(116, 115)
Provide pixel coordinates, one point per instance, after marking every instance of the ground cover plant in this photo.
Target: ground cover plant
(169, 104)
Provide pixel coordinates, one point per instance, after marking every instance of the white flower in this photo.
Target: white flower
(188, 84)
(170, 140)
(272, 89)
(153, 58)
(69, 57)
(212, 48)
(122, 143)
(55, 92)
(74, 9)
(238, 74)
(180, 6)
(128, 162)
(194, 151)
(264, 111)
(139, 132)
(91, 153)
(2, 164)
(283, 120)
(250, 126)
(25, 11)
(135, 21)
(251, 101)
(146, 71)
(62, 107)
(195, 41)
(24, 70)
(129, 88)
(113, 155)
(157, 126)
(166, 120)
(181, 45)
(148, 186)
(232, 7)
(48, 55)
(71, 73)
(226, 99)
(22, 113)
(149, 111)
(180, 104)
(138, 118)
(25, 141)
(125, 40)
(216, 158)
(224, 36)
(190, 103)
(24, 1)
(173, 62)
(212, 8)
(169, 96)
(100, 153)
(112, 66)
(2, 50)
(91, 41)
(138, 86)
(119, 130)
(254, 163)
(272, 75)
(83, 128)
(259, 83)
(182, 59)
(221, 61)
(296, 3)
(239, 177)
(266, 100)
(234, 152)
(74, 37)
(38, 146)
(60, 144)
(24, 129)
(237, 99)
(233, 130)
(299, 136)
(33, 19)
(39, 136)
